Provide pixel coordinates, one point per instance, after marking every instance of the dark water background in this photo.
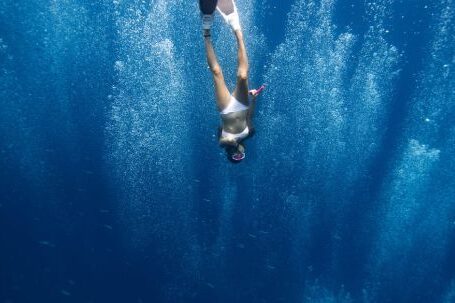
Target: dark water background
(113, 189)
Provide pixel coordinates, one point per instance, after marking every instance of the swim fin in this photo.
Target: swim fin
(207, 7)
(228, 11)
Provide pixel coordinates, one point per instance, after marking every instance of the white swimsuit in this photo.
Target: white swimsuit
(233, 107)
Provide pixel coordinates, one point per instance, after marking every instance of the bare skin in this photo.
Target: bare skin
(233, 122)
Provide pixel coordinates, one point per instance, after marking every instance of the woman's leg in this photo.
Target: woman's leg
(241, 89)
(221, 91)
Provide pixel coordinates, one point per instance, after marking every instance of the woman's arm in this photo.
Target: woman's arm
(250, 113)
(254, 93)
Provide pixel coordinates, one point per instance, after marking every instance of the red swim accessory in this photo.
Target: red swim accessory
(260, 89)
(256, 92)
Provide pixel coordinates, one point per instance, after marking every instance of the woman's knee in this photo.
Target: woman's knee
(216, 70)
(242, 74)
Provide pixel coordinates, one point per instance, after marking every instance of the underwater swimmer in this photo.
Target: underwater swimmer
(236, 110)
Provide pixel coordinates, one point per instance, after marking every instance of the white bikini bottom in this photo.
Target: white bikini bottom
(234, 106)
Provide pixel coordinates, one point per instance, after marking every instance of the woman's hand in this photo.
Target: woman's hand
(256, 92)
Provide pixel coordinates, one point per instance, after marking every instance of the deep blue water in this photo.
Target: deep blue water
(113, 188)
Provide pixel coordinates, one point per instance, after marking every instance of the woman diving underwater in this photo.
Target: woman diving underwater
(236, 110)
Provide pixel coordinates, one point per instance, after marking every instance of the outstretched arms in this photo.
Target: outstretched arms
(254, 93)
(250, 114)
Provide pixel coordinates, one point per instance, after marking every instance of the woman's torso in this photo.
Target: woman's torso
(234, 123)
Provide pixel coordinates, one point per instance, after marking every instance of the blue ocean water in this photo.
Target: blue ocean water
(113, 187)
